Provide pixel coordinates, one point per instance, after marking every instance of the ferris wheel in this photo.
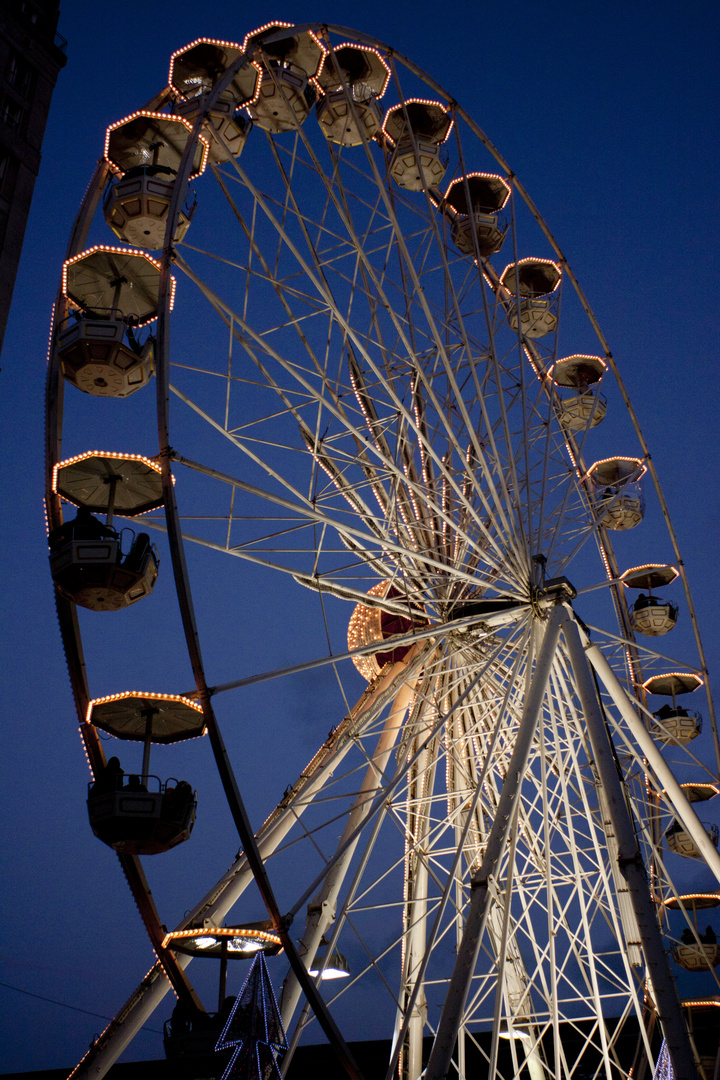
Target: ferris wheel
(378, 389)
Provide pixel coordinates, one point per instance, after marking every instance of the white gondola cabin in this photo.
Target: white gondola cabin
(92, 564)
(89, 566)
(577, 378)
(680, 842)
(619, 499)
(702, 1016)
(139, 814)
(529, 287)
(473, 205)
(113, 293)
(289, 64)
(650, 615)
(353, 80)
(144, 151)
(696, 949)
(191, 1033)
(416, 131)
(194, 71)
(673, 724)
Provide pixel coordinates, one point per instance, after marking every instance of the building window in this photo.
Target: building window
(19, 74)
(8, 173)
(29, 12)
(12, 115)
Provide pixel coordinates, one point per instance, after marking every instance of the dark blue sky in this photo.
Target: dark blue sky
(608, 116)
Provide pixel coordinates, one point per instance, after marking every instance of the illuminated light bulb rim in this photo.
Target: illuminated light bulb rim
(691, 1003)
(222, 931)
(48, 357)
(483, 176)
(283, 26)
(670, 674)
(716, 791)
(649, 566)
(119, 251)
(578, 356)
(360, 48)
(140, 694)
(230, 44)
(84, 746)
(108, 247)
(154, 116)
(524, 262)
(533, 259)
(101, 453)
(106, 454)
(604, 461)
(416, 101)
(691, 896)
(260, 29)
(361, 616)
(198, 41)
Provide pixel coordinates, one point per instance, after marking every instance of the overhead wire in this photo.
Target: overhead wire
(64, 1004)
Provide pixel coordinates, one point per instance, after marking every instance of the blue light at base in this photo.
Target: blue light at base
(254, 1029)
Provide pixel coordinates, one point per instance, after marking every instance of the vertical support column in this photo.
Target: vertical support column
(418, 819)
(631, 865)
(411, 1055)
(447, 1033)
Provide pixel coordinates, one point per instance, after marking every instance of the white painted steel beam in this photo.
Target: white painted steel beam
(631, 865)
(451, 1018)
(657, 763)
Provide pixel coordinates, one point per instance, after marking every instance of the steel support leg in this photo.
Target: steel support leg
(447, 1033)
(631, 865)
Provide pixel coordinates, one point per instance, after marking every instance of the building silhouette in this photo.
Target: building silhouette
(31, 55)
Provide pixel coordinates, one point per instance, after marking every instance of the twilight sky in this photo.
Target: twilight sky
(607, 114)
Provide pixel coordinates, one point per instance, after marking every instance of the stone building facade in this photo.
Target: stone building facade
(31, 55)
